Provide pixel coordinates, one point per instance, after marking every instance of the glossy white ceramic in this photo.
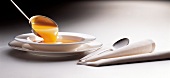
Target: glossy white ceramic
(33, 41)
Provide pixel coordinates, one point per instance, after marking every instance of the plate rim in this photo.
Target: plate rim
(86, 40)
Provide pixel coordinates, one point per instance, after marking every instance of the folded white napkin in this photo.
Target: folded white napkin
(18, 44)
(131, 59)
(140, 47)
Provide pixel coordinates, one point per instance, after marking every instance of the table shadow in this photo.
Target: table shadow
(22, 55)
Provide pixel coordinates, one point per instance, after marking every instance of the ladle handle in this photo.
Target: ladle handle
(19, 9)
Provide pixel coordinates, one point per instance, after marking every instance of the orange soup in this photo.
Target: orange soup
(48, 33)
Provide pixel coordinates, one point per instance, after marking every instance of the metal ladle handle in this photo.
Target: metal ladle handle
(20, 9)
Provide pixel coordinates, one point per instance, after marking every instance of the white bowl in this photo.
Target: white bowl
(79, 37)
(83, 49)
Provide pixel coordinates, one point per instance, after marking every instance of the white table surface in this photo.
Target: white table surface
(107, 21)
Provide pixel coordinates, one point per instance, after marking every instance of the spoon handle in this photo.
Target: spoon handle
(94, 53)
(19, 9)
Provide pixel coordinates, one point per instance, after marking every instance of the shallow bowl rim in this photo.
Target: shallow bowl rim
(86, 38)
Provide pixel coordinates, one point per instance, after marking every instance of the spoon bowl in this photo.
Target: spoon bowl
(42, 20)
(38, 20)
(120, 43)
(44, 27)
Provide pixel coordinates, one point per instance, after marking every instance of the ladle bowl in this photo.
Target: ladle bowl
(37, 20)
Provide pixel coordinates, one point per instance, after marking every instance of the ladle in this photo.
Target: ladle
(37, 19)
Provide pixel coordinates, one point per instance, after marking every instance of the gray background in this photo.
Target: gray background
(106, 20)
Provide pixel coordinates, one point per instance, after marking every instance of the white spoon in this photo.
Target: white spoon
(118, 44)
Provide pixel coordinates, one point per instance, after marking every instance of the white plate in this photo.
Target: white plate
(92, 46)
(82, 38)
